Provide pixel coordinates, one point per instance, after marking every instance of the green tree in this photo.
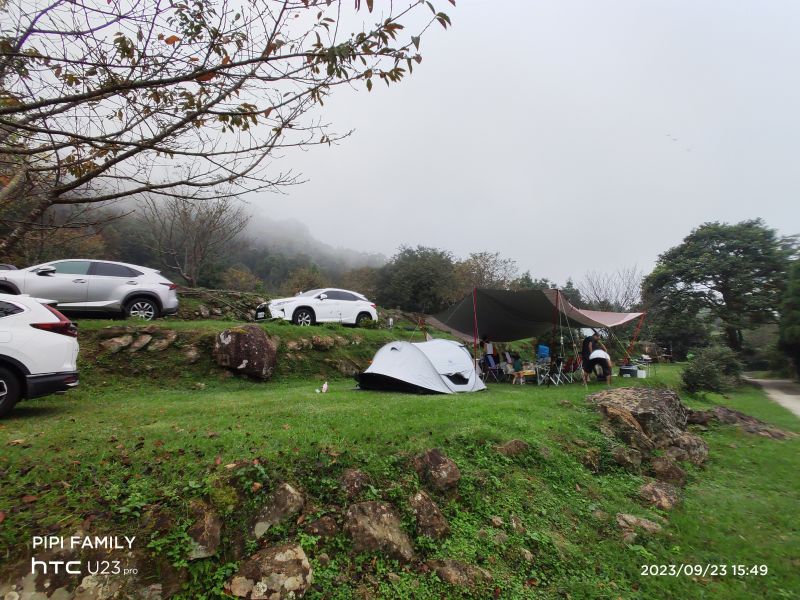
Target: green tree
(790, 317)
(418, 279)
(526, 282)
(486, 270)
(735, 273)
(304, 279)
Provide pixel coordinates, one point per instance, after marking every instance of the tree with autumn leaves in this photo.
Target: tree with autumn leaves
(135, 99)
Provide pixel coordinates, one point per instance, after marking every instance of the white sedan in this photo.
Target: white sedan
(326, 305)
(38, 350)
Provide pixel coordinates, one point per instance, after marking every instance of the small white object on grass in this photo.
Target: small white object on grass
(325, 387)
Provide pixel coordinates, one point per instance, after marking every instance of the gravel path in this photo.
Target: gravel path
(783, 391)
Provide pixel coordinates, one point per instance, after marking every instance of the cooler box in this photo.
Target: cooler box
(628, 371)
(641, 374)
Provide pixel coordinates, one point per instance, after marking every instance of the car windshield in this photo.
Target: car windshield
(309, 293)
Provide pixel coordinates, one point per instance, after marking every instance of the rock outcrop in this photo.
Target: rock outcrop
(430, 520)
(660, 494)
(274, 573)
(282, 504)
(205, 532)
(728, 416)
(650, 420)
(437, 470)
(375, 527)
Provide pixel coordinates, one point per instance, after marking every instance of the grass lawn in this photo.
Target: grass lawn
(117, 449)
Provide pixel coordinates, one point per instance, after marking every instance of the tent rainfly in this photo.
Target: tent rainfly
(505, 316)
(438, 366)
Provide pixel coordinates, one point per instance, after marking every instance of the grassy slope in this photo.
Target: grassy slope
(127, 445)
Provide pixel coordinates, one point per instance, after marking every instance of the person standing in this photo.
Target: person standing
(590, 344)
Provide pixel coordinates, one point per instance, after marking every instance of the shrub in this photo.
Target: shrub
(712, 369)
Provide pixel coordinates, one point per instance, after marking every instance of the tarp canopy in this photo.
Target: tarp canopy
(505, 316)
(437, 366)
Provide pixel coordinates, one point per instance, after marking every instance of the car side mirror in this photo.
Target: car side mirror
(46, 271)
(323, 296)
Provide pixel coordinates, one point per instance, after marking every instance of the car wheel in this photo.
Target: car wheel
(9, 391)
(362, 318)
(142, 308)
(303, 317)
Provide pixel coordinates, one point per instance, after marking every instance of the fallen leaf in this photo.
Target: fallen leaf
(218, 461)
(158, 443)
(286, 426)
(230, 466)
(2, 516)
(16, 442)
(256, 486)
(28, 499)
(212, 434)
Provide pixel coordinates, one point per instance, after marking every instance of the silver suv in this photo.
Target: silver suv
(96, 285)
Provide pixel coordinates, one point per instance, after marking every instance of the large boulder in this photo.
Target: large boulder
(430, 520)
(247, 350)
(282, 504)
(375, 527)
(437, 470)
(625, 426)
(659, 413)
(274, 573)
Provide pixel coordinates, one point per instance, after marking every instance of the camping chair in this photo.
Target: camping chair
(573, 368)
(568, 372)
(555, 375)
(492, 369)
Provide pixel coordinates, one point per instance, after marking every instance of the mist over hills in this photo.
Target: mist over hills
(293, 238)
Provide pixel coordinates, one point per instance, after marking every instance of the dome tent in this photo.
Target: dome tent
(437, 366)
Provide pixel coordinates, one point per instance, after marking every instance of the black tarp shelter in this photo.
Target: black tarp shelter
(505, 316)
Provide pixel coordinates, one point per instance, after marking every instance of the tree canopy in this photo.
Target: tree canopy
(130, 98)
(735, 273)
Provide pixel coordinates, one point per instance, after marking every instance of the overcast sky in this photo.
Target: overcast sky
(567, 135)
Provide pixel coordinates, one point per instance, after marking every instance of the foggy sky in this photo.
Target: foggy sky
(567, 135)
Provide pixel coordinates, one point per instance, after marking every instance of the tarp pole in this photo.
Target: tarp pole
(556, 321)
(635, 335)
(475, 322)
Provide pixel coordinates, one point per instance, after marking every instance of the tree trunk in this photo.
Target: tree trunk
(10, 242)
(734, 337)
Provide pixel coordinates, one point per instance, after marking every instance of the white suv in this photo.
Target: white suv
(38, 350)
(321, 306)
(96, 285)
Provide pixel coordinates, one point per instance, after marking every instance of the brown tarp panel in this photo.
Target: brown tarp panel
(505, 316)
